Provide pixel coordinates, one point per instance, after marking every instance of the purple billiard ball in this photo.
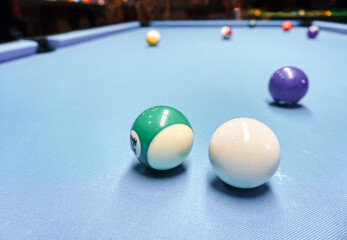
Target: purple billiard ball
(312, 31)
(288, 85)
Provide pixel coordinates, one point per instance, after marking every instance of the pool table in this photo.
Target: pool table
(67, 170)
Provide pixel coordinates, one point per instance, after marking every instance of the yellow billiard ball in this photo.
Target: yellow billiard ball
(153, 37)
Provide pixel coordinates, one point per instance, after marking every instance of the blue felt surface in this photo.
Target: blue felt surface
(18, 49)
(67, 170)
(65, 39)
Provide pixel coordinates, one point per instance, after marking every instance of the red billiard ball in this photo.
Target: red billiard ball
(287, 25)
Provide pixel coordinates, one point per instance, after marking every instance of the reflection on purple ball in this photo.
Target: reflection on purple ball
(312, 31)
(288, 85)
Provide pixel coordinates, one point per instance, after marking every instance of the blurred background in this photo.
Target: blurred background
(32, 18)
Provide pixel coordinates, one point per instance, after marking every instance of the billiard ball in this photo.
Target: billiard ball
(252, 23)
(226, 32)
(161, 137)
(244, 153)
(287, 25)
(153, 37)
(312, 31)
(288, 85)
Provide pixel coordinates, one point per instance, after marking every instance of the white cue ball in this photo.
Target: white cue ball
(244, 153)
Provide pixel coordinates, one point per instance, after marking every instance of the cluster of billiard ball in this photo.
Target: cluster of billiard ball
(244, 152)
(312, 31)
(153, 36)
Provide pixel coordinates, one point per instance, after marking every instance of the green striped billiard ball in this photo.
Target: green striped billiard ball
(161, 137)
(252, 23)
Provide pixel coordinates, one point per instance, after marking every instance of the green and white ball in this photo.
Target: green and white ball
(161, 137)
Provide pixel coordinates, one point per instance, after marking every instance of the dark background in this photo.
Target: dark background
(32, 18)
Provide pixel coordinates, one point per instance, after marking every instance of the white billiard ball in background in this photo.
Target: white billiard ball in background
(226, 32)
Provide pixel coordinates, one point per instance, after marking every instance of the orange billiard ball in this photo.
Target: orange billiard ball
(287, 25)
